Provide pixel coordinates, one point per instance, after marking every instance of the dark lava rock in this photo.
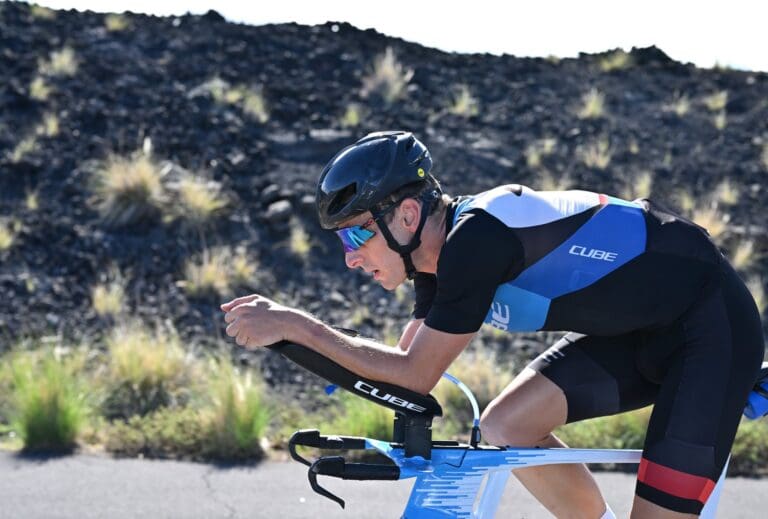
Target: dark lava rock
(179, 81)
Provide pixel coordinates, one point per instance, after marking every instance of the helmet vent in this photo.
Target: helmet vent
(342, 198)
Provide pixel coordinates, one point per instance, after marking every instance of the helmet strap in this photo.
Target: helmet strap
(427, 199)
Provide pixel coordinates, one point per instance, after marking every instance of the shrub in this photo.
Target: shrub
(597, 154)
(480, 370)
(249, 99)
(712, 219)
(299, 241)
(755, 286)
(353, 116)
(108, 297)
(592, 105)
(208, 275)
(128, 190)
(49, 407)
(548, 182)
(60, 63)
(639, 186)
(7, 235)
(388, 78)
(726, 193)
(464, 103)
(26, 145)
(42, 13)
(31, 201)
(238, 416)
(622, 431)
(356, 416)
(538, 149)
(165, 433)
(717, 101)
(146, 371)
(720, 120)
(200, 199)
(616, 60)
(39, 89)
(743, 256)
(116, 22)
(680, 105)
(749, 455)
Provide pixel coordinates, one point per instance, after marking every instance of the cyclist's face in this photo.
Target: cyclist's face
(375, 257)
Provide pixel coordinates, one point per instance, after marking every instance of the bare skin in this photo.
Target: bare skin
(523, 415)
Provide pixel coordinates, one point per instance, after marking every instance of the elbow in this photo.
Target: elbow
(423, 382)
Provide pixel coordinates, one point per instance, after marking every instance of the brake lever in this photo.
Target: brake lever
(337, 462)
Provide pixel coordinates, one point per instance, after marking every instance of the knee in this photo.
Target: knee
(501, 425)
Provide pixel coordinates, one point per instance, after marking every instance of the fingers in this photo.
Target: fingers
(238, 301)
(233, 329)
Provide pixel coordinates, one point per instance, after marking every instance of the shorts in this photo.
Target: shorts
(697, 371)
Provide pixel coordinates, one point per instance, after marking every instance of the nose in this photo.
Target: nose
(352, 259)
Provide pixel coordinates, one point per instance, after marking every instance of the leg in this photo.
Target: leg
(700, 403)
(579, 377)
(524, 415)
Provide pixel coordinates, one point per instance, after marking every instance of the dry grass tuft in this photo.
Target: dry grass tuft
(200, 199)
(597, 154)
(299, 242)
(108, 297)
(616, 60)
(60, 63)
(249, 99)
(680, 105)
(353, 116)
(639, 186)
(128, 190)
(716, 102)
(548, 182)
(217, 272)
(116, 22)
(592, 105)
(720, 120)
(31, 201)
(42, 13)
(744, 256)
(464, 103)
(712, 219)
(39, 89)
(27, 145)
(755, 285)
(7, 235)
(535, 151)
(726, 193)
(388, 79)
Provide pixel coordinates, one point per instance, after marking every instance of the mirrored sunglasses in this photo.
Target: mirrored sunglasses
(354, 236)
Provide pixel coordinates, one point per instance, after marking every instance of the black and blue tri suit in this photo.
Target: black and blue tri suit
(655, 313)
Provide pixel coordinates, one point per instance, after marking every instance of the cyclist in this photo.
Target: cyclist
(657, 315)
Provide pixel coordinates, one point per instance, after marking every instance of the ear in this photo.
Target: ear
(410, 212)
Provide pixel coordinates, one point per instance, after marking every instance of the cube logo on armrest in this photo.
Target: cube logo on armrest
(374, 392)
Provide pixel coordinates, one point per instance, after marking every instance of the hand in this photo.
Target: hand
(255, 321)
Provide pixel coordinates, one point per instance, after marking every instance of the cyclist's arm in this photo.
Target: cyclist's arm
(418, 368)
(408, 333)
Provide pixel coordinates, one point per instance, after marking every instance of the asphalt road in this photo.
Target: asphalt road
(88, 486)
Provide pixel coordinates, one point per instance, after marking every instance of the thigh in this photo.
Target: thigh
(598, 375)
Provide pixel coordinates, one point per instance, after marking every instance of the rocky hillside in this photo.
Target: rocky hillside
(257, 111)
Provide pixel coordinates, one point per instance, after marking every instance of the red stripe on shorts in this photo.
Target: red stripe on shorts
(674, 482)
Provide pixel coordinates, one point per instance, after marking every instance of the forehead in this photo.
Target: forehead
(357, 220)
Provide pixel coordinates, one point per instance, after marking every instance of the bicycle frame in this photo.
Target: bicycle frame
(452, 479)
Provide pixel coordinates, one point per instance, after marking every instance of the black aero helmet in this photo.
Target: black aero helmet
(364, 174)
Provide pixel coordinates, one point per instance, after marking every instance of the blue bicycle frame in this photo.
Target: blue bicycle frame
(452, 479)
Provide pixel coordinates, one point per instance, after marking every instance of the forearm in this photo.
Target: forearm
(364, 357)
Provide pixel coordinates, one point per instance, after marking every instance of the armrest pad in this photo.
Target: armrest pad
(391, 396)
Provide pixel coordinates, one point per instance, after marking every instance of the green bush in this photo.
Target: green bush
(356, 416)
(621, 431)
(167, 433)
(146, 371)
(238, 417)
(49, 408)
(749, 455)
